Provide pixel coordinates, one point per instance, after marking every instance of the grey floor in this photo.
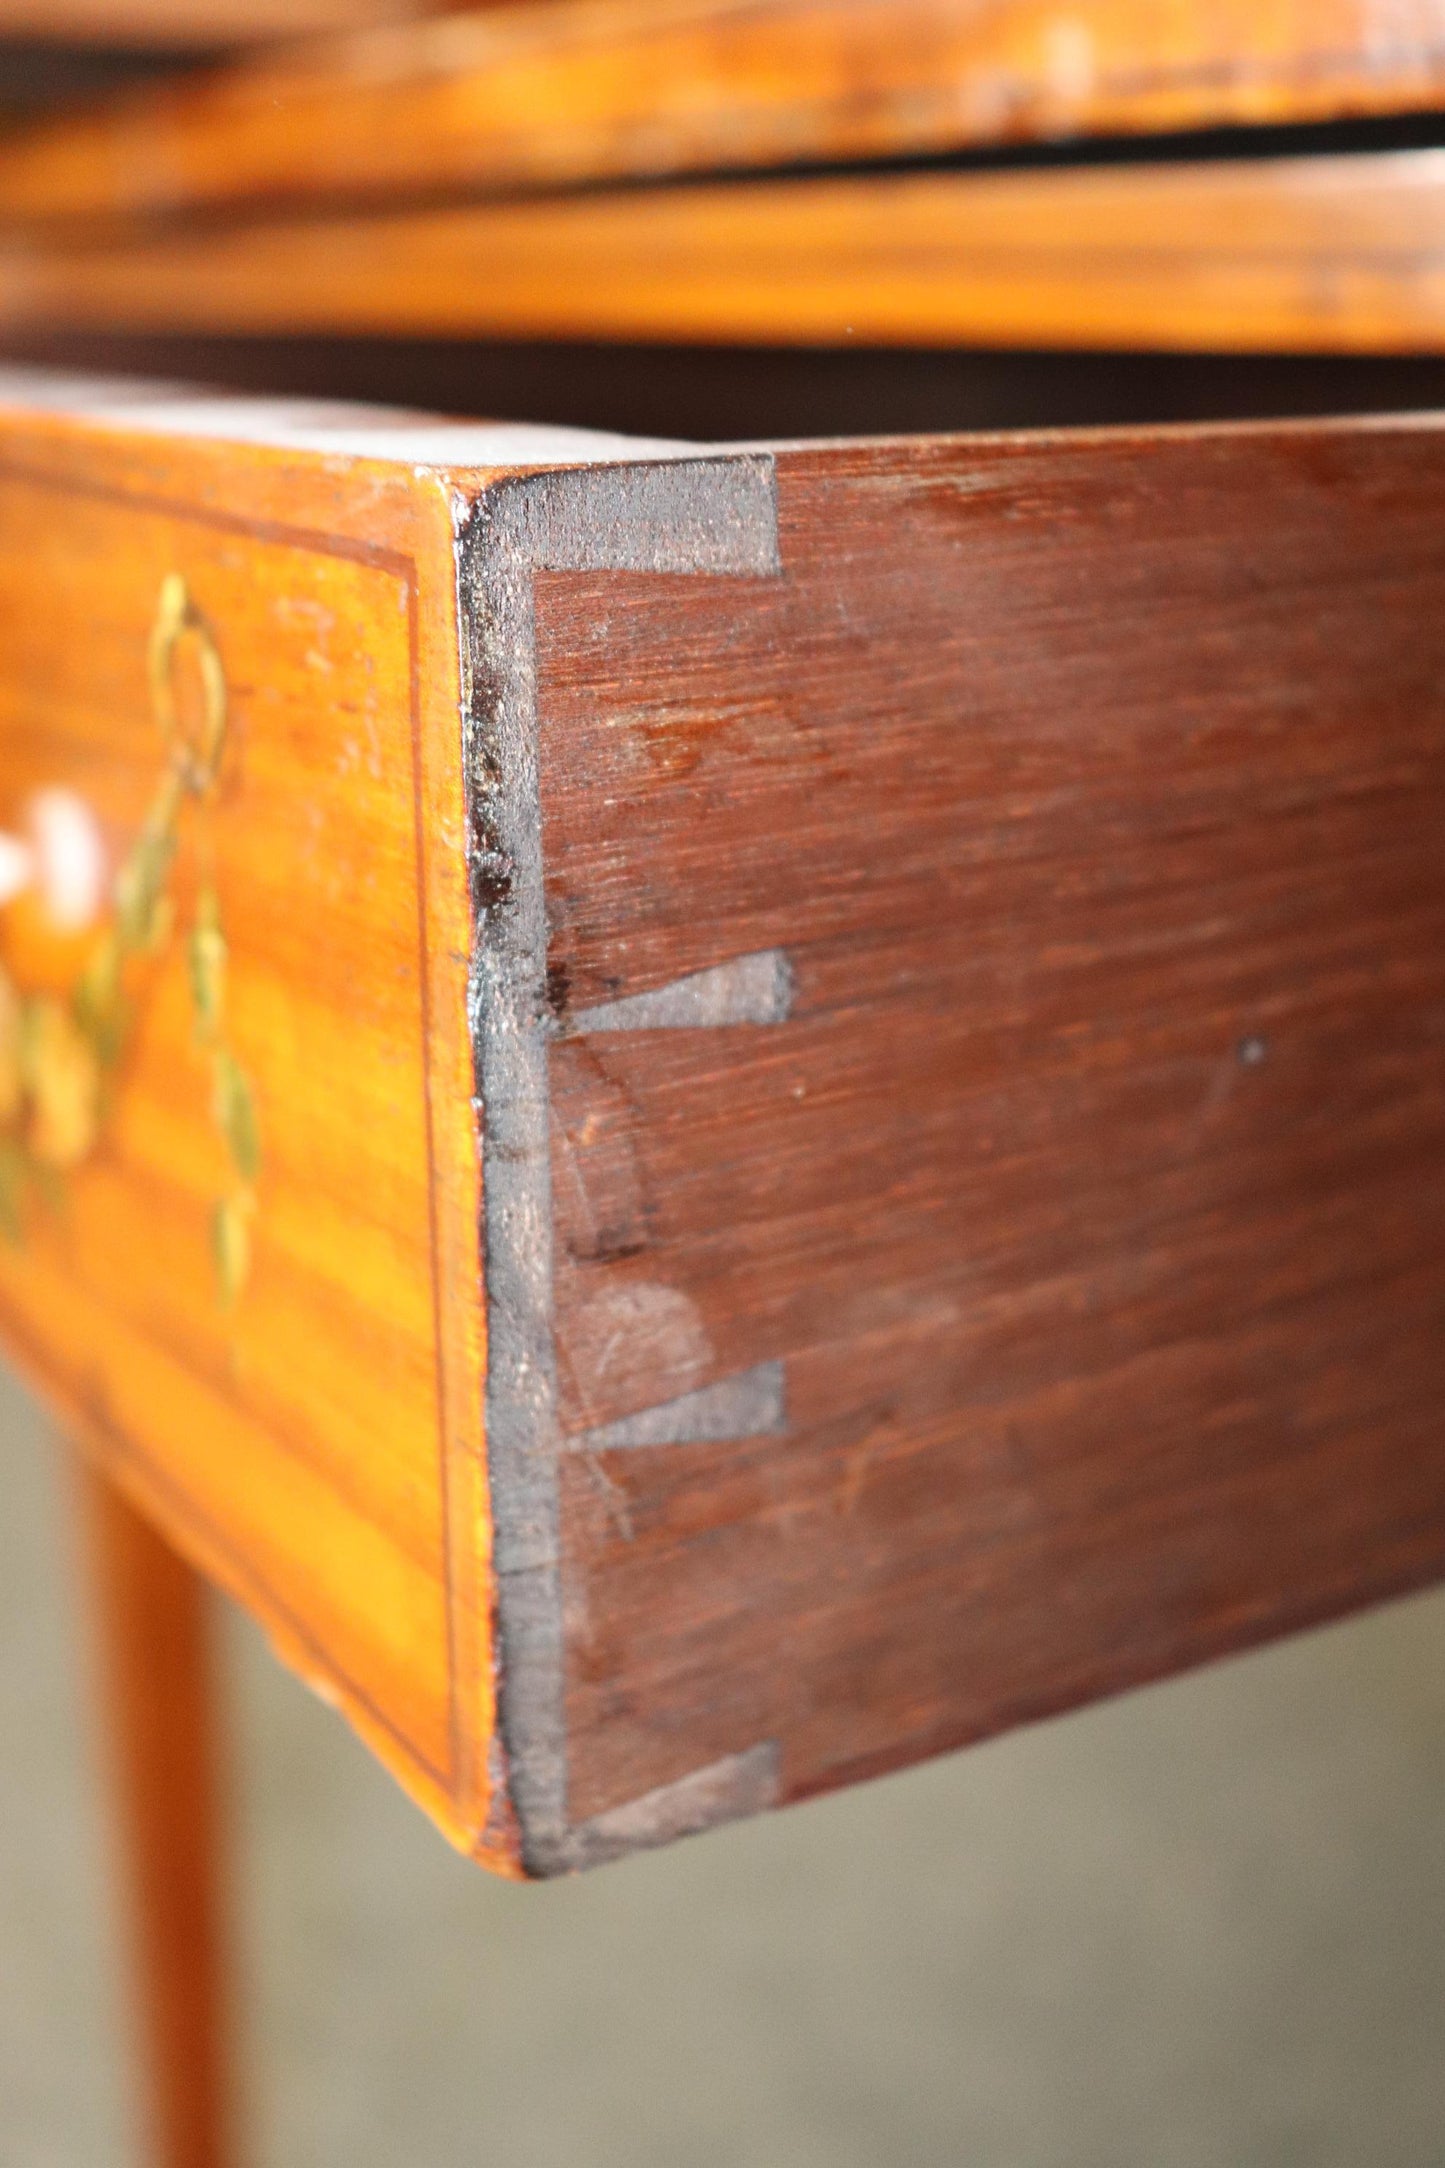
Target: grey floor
(1200, 1928)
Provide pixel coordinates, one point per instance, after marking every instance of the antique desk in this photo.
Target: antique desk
(715, 1116)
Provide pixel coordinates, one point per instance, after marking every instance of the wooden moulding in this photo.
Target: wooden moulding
(174, 26)
(1333, 254)
(540, 95)
(946, 941)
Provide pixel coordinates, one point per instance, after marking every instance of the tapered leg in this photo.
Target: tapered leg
(152, 1626)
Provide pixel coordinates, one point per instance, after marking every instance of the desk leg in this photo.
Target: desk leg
(152, 1628)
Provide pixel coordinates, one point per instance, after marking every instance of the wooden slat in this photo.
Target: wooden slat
(1335, 254)
(176, 25)
(541, 94)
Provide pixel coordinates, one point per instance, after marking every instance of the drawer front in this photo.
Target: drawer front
(898, 988)
(218, 1071)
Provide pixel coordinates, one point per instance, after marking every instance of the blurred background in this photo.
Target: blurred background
(1203, 1927)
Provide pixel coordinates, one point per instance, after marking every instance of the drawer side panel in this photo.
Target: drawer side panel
(1048, 1290)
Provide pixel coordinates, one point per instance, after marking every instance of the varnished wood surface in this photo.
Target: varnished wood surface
(336, 1495)
(540, 94)
(1092, 1194)
(178, 25)
(1329, 254)
(939, 949)
(155, 1671)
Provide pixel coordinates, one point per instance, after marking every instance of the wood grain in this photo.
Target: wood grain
(946, 940)
(155, 1671)
(340, 1499)
(1090, 1195)
(543, 94)
(174, 26)
(1335, 254)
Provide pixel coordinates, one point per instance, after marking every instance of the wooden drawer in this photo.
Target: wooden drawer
(768, 1109)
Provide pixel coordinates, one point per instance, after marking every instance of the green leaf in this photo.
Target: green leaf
(206, 955)
(235, 1112)
(142, 915)
(231, 1245)
(100, 1007)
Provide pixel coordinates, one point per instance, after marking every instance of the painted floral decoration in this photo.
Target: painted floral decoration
(61, 1053)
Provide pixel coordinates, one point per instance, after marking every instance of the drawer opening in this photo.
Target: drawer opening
(742, 394)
